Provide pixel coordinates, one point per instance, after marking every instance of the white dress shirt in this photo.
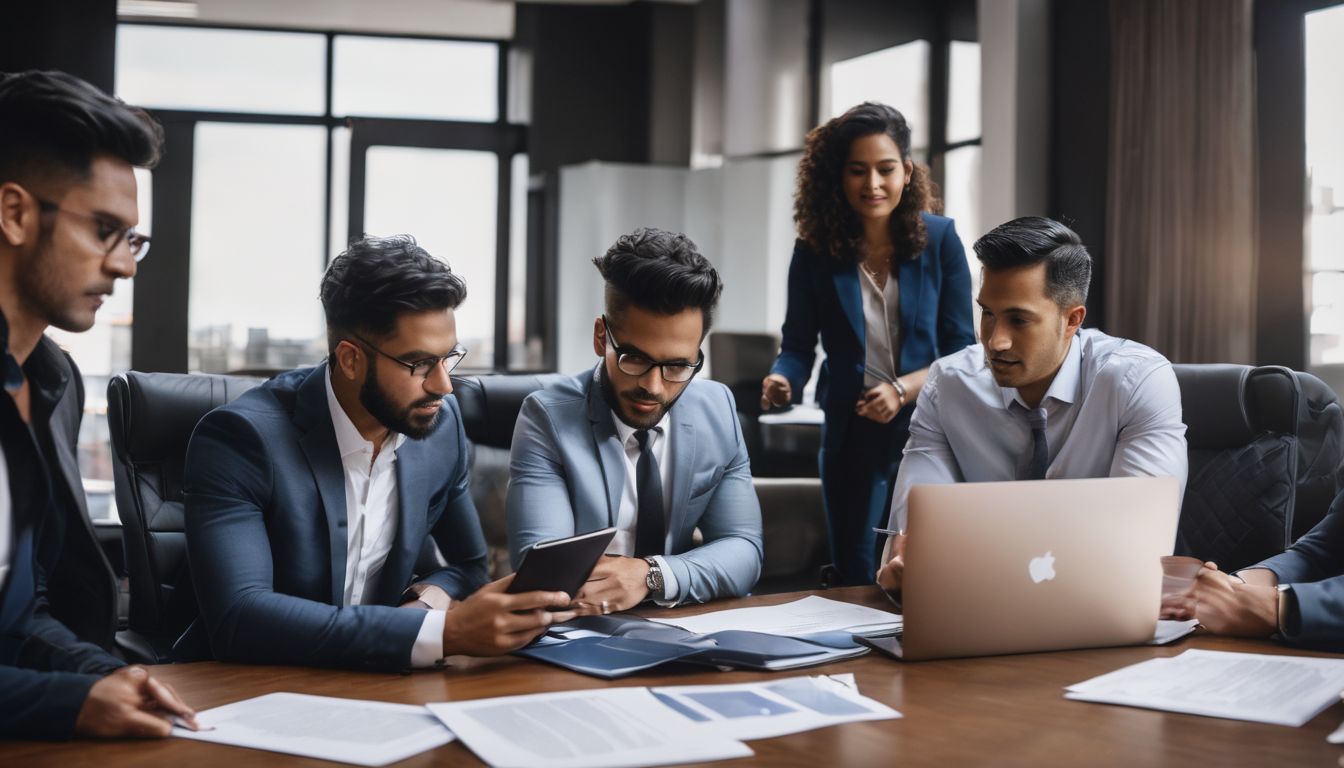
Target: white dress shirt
(881, 325)
(371, 519)
(627, 515)
(1113, 410)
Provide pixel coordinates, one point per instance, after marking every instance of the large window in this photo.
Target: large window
(1325, 174)
(296, 142)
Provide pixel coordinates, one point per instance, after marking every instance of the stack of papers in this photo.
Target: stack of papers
(808, 616)
(1281, 690)
(651, 726)
(342, 730)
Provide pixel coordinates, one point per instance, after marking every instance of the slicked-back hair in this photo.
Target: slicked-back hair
(53, 125)
(661, 272)
(377, 279)
(1033, 240)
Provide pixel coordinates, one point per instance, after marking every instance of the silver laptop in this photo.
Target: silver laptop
(1017, 567)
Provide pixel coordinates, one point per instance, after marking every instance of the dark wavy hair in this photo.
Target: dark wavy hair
(1031, 240)
(378, 278)
(52, 125)
(824, 217)
(661, 272)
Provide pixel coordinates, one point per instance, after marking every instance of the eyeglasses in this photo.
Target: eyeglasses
(110, 232)
(422, 368)
(637, 363)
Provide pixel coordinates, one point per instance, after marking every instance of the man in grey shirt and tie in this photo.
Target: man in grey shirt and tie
(1040, 397)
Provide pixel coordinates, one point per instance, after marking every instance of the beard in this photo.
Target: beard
(402, 420)
(639, 394)
(43, 291)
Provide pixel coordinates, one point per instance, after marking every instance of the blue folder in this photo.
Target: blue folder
(615, 646)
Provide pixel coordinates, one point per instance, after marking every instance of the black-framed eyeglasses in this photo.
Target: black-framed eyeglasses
(110, 232)
(636, 363)
(422, 368)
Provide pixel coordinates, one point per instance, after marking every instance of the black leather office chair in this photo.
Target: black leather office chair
(490, 406)
(1320, 456)
(151, 417)
(1242, 438)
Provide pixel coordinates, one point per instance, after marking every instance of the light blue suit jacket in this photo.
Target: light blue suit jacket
(567, 469)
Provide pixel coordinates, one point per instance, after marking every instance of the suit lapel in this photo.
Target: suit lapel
(683, 468)
(610, 458)
(313, 417)
(412, 501)
(847, 288)
(911, 277)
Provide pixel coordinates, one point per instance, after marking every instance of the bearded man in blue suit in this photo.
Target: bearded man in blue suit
(310, 498)
(639, 444)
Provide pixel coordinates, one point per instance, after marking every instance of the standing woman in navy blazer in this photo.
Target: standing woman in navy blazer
(887, 286)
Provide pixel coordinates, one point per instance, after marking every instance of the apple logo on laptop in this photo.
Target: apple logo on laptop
(1042, 568)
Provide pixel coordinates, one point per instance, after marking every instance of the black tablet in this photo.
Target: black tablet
(561, 565)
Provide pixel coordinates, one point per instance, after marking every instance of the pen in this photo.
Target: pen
(889, 531)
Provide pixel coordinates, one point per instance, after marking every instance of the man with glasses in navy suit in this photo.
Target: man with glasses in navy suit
(310, 498)
(640, 445)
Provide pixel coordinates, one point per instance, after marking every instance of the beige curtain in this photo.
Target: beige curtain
(1180, 221)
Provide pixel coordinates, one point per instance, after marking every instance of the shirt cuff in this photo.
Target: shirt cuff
(671, 590)
(428, 648)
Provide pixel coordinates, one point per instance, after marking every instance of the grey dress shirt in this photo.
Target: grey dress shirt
(1114, 410)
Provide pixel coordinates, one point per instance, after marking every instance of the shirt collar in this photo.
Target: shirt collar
(348, 439)
(1064, 388)
(624, 431)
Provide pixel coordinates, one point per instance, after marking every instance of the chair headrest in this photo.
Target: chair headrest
(1226, 406)
(490, 404)
(152, 415)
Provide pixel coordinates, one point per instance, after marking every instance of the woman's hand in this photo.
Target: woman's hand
(880, 404)
(775, 392)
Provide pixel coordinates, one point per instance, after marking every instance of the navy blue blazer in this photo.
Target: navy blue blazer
(825, 298)
(266, 532)
(1315, 568)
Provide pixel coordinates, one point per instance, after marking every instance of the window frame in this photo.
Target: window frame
(162, 292)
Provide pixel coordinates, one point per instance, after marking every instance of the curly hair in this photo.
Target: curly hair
(825, 220)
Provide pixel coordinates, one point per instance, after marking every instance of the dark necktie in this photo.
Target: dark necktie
(650, 531)
(1040, 450)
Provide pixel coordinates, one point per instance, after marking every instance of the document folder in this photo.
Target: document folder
(615, 646)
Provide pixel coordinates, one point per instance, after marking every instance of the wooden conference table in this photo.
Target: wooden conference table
(1006, 710)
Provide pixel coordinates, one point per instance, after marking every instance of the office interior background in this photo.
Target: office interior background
(1194, 145)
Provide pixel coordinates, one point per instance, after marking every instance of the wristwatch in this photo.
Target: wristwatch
(654, 579)
(1287, 610)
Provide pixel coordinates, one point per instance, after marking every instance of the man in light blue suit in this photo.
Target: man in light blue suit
(310, 498)
(639, 445)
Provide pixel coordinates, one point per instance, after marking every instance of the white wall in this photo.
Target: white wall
(740, 216)
(1015, 98)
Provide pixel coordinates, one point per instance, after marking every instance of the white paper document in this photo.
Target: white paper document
(765, 710)
(342, 730)
(582, 729)
(798, 414)
(801, 617)
(1281, 690)
(1169, 631)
